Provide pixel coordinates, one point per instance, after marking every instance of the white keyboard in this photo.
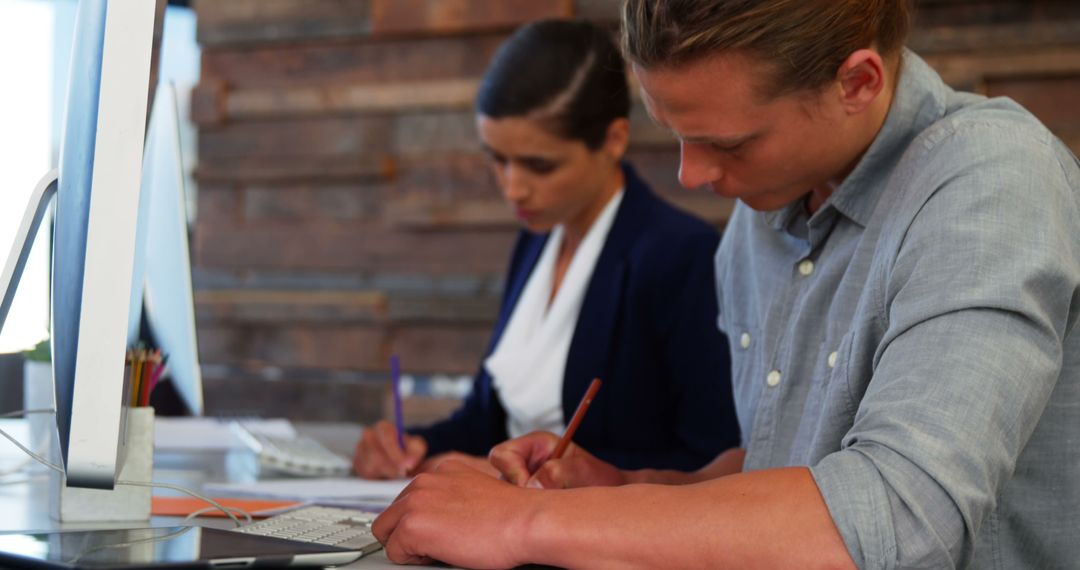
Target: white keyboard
(298, 456)
(344, 528)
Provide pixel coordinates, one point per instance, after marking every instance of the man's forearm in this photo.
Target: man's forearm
(727, 463)
(768, 519)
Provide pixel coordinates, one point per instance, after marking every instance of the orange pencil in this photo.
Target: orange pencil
(575, 421)
(150, 371)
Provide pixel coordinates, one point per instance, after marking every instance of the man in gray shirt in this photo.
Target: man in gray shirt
(901, 285)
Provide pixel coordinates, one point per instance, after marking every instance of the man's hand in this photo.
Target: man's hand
(379, 457)
(456, 515)
(479, 463)
(524, 461)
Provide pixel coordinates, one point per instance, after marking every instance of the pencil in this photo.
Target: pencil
(575, 421)
(157, 376)
(399, 419)
(136, 375)
(153, 369)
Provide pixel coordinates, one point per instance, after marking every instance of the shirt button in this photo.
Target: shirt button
(806, 267)
(832, 359)
(773, 379)
(744, 340)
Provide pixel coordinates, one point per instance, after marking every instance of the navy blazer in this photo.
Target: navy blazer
(647, 328)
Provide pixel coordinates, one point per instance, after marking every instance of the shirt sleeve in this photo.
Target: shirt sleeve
(976, 305)
(474, 428)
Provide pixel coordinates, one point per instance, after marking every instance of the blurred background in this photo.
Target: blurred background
(340, 207)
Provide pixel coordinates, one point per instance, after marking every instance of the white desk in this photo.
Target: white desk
(24, 500)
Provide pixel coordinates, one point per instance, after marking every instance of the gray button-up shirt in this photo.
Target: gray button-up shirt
(914, 341)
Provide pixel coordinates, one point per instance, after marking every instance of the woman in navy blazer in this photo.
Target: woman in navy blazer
(552, 111)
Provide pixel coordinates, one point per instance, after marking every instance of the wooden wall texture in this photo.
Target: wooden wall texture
(345, 211)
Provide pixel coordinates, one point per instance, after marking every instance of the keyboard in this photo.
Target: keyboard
(299, 456)
(344, 528)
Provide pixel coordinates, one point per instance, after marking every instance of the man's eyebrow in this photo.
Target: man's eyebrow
(735, 140)
(718, 141)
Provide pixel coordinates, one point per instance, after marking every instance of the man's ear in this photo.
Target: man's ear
(618, 138)
(862, 77)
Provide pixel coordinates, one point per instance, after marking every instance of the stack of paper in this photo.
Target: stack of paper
(344, 491)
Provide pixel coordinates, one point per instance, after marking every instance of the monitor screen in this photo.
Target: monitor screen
(162, 291)
(96, 230)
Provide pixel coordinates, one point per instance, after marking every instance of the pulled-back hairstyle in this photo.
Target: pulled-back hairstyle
(803, 42)
(568, 75)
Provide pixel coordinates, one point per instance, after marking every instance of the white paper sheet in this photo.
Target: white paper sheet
(343, 490)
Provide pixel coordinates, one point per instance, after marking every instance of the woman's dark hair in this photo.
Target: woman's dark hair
(567, 74)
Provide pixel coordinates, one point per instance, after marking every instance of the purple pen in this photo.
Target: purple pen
(399, 418)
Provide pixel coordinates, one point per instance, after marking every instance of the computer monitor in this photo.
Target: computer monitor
(162, 292)
(97, 229)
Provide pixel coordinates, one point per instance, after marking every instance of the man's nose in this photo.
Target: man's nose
(696, 166)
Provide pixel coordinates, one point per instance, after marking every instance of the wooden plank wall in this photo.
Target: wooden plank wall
(344, 209)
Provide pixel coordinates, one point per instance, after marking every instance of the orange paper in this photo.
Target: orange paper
(184, 506)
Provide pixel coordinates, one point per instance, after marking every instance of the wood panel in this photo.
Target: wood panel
(350, 63)
(935, 14)
(1055, 100)
(341, 307)
(241, 22)
(270, 306)
(997, 37)
(426, 348)
(298, 247)
(393, 283)
(222, 22)
(969, 70)
(345, 210)
(404, 97)
(396, 17)
(295, 394)
(313, 203)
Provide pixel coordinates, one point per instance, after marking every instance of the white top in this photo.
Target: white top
(529, 362)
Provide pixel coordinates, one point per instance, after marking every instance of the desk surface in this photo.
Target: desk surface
(24, 497)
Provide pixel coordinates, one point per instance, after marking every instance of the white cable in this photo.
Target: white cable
(21, 413)
(39, 458)
(60, 470)
(245, 514)
(19, 466)
(214, 503)
(160, 538)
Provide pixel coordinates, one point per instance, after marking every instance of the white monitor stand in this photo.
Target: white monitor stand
(24, 241)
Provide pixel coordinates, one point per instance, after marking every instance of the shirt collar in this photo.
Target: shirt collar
(919, 101)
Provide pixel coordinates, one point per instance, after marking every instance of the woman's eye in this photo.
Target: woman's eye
(539, 166)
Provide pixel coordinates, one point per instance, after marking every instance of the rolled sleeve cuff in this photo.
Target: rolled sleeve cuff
(859, 505)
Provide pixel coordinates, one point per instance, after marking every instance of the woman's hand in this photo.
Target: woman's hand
(525, 461)
(378, 455)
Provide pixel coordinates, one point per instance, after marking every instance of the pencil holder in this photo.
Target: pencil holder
(122, 502)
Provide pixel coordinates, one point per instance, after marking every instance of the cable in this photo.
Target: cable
(102, 547)
(245, 514)
(212, 502)
(21, 413)
(60, 470)
(16, 414)
(37, 457)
